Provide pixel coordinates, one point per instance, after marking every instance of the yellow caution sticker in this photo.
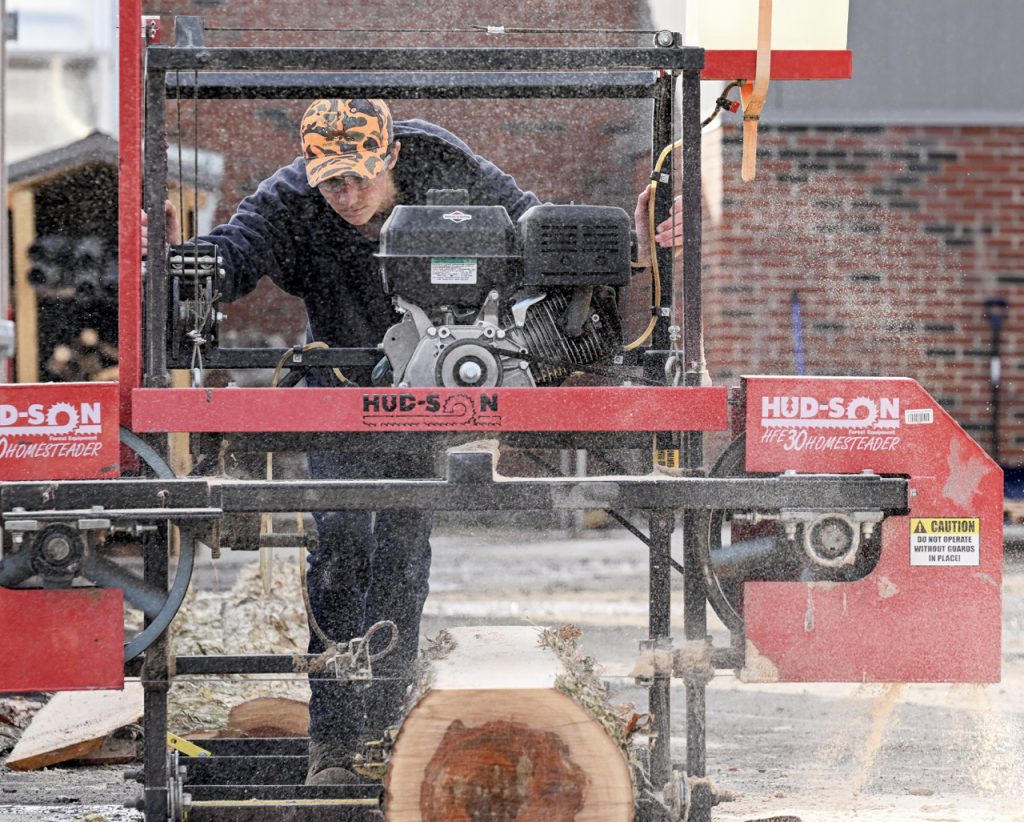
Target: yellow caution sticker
(945, 541)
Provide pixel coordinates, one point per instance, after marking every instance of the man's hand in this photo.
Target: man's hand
(173, 226)
(668, 234)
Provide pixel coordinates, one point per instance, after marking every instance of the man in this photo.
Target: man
(313, 227)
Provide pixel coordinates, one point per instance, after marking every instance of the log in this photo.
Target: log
(73, 724)
(495, 739)
(268, 716)
(112, 751)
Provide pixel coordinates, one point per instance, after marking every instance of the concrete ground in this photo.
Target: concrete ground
(818, 752)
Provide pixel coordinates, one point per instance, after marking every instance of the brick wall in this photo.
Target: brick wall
(582, 151)
(893, 238)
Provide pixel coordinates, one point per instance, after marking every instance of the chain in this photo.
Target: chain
(353, 660)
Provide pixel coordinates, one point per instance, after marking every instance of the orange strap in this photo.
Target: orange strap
(753, 96)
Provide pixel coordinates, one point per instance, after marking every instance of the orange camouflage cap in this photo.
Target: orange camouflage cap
(345, 137)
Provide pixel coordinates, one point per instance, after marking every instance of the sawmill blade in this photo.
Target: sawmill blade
(159, 607)
(725, 567)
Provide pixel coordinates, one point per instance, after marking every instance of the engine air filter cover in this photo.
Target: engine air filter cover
(575, 245)
(445, 254)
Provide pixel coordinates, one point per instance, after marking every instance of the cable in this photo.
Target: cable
(722, 102)
(276, 378)
(655, 275)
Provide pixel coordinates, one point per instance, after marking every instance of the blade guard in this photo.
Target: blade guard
(62, 640)
(930, 611)
(71, 639)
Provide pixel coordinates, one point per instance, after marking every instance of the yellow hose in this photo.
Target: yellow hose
(655, 272)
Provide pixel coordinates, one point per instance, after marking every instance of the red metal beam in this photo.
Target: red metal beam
(786, 65)
(129, 203)
(429, 409)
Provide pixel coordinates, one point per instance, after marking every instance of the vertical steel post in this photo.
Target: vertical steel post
(693, 318)
(154, 340)
(5, 282)
(129, 198)
(694, 590)
(155, 684)
(662, 523)
(654, 363)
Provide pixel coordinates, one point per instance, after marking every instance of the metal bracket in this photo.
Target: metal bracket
(373, 761)
(151, 28)
(470, 467)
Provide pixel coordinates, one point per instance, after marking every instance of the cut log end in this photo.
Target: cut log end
(505, 756)
(495, 740)
(497, 771)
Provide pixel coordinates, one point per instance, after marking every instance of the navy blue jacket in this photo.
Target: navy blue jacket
(288, 232)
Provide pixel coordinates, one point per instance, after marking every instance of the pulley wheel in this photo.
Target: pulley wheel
(467, 364)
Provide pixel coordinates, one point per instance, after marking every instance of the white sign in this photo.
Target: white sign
(945, 541)
(58, 418)
(453, 271)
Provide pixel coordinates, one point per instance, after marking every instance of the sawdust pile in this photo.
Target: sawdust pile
(16, 713)
(243, 620)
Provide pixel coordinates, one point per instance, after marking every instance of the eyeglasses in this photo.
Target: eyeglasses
(336, 185)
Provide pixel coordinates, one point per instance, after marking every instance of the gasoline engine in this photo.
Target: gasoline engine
(487, 303)
(483, 302)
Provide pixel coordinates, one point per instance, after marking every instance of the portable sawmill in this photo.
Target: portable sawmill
(851, 532)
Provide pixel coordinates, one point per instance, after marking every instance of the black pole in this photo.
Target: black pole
(662, 523)
(155, 685)
(996, 309)
(154, 297)
(654, 362)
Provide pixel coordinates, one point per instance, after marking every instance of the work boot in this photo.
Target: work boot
(329, 765)
(333, 776)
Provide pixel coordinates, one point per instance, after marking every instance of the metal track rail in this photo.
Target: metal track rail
(469, 491)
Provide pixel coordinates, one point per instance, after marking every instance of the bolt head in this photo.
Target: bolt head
(664, 39)
(470, 372)
(57, 549)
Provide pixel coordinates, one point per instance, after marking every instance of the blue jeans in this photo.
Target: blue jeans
(367, 567)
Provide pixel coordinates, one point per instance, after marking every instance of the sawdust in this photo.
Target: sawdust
(991, 749)
(243, 620)
(881, 712)
(652, 662)
(439, 647)
(757, 668)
